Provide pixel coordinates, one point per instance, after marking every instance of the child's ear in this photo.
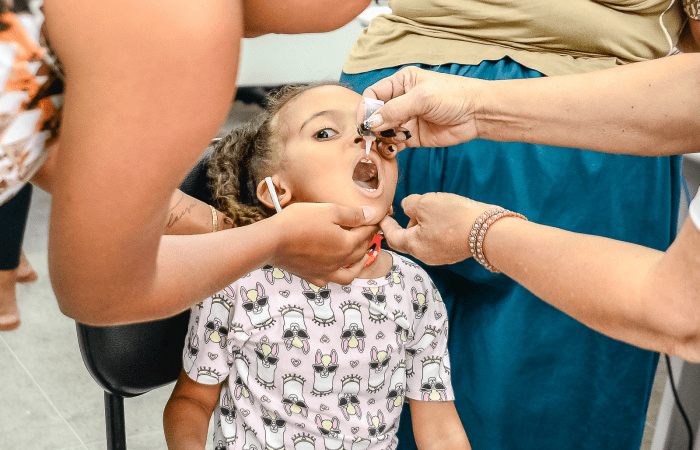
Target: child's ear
(284, 194)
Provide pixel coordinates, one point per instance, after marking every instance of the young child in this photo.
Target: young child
(283, 363)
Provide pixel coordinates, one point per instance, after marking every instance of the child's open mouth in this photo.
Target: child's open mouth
(365, 175)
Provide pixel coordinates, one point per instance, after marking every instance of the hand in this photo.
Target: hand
(318, 240)
(438, 232)
(438, 109)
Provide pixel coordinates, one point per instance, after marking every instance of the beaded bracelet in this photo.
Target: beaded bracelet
(478, 233)
(692, 8)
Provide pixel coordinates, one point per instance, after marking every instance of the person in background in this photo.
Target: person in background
(534, 378)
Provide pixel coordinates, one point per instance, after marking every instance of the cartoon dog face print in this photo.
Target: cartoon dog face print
(330, 431)
(304, 441)
(295, 334)
(293, 395)
(377, 426)
(274, 426)
(395, 276)
(227, 412)
(267, 363)
(402, 328)
(377, 303)
(216, 326)
(273, 274)
(432, 387)
(241, 383)
(348, 400)
(320, 300)
(410, 355)
(353, 334)
(395, 396)
(256, 306)
(191, 350)
(426, 339)
(324, 372)
(251, 439)
(378, 367)
(420, 302)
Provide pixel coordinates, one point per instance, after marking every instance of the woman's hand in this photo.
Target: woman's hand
(438, 109)
(316, 241)
(438, 232)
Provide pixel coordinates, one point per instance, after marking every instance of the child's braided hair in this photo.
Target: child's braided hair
(245, 156)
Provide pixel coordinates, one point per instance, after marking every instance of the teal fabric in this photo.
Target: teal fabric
(527, 376)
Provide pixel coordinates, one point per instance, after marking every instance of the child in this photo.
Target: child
(283, 363)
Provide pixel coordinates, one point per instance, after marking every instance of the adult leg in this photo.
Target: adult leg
(13, 220)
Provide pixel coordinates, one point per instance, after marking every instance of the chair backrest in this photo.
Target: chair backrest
(130, 360)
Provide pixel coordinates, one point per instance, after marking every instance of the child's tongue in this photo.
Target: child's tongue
(365, 174)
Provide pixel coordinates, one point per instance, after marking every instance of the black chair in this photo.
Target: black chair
(130, 360)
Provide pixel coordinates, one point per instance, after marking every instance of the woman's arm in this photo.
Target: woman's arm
(187, 413)
(638, 295)
(147, 86)
(187, 215)
(651, 108)
(299, 16)
(436, 425)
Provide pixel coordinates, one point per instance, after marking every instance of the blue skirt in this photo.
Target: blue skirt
(525, 375)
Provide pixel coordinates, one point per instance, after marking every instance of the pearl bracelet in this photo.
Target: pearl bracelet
(478, 233)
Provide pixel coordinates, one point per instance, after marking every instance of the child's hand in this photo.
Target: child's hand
(316, 241)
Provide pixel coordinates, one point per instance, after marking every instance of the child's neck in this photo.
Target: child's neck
(380, 267)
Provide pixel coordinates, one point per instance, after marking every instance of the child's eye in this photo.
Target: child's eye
(325, 133)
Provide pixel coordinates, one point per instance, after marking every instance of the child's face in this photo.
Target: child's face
(324, 156)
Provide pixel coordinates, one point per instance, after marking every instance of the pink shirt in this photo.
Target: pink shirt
(306, 367)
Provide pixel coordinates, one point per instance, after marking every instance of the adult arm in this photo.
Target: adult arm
(148, 85)
(299, 16)
(638, 295)
(436, 425)
(187, 413)
(650, 108)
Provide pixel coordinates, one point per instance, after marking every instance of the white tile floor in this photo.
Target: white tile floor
(48, 401)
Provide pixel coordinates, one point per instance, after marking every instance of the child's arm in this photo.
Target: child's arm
(436, 425)
(187, 413)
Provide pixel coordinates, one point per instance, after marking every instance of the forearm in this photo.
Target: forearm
(635, 294)
(436, 426)
(187, 215)
(299, 16)
(111, 288)
(185, 423)
(650, 108)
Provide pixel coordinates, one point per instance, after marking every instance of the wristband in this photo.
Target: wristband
(478, 233)
(214, 220)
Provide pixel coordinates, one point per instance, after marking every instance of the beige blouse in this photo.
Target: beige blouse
(555, 37)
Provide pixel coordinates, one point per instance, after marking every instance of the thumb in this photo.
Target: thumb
(395, 236)
(397, 112)
(352, 217)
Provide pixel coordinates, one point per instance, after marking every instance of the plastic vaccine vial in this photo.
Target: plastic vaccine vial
(371, 105)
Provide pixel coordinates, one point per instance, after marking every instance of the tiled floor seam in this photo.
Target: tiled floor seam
(43, 393)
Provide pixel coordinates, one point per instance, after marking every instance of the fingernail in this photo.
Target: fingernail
(369, 212)
(372, 122)
(403, 135)
(388, 133)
